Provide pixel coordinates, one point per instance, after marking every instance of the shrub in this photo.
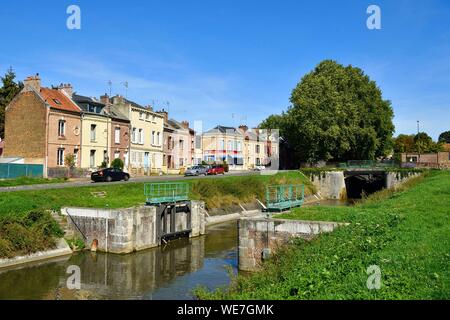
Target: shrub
(117, 163)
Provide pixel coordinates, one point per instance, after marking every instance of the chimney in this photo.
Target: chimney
(118, 100)
(67, 88)
(243, 127)
(32, 83)
(165, 114)
(185, 124)
(105, 99)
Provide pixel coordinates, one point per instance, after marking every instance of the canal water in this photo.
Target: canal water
(167, 272)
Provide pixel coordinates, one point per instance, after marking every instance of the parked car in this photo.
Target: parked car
(216, 169)
(259, 168)
(109, 174)
(196, 171)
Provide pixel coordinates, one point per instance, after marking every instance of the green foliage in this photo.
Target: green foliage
(405, 233)
(337, 113)
(117, 163)
(69, 160)
(8, 91)
(425, 144)
(35, 231)
(444, 137)
(76, 244)
(103, 165)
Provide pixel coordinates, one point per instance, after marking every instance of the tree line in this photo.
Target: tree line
(338, 113)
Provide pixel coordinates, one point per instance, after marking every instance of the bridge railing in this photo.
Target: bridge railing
(164, 192)
(281, 197)
(369, 164)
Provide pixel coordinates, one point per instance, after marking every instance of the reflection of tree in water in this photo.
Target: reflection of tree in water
(31, 282)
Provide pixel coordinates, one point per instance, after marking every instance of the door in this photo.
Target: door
(146, 159)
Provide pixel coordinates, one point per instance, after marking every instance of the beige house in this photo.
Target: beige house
(146, 136)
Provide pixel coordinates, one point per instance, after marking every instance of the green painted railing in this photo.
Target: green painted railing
(282, 197)
(164, 192)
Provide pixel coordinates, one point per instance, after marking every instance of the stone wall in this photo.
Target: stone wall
(330, 185)
(259, 236)
(127, 230)
(394, 179)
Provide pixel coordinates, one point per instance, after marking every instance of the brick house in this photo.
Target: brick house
(42, 125)
(2, 145)
(430, 160)
(178, 146)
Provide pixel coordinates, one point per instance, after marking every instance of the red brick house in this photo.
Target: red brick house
(42, 125)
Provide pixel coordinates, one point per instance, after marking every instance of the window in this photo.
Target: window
(117, 155)
(238, 146)
(222, 145)
(257, 148)
(147, 117)
(75, 156)
(141, 136)
(57, 101)
(153, 137)
(93, 128)
(60, 157)
(258, 162)
(61, 128)
(141, 115)
(153, 118)
(181, 144)
(92, 159)
(181, 161)
(133, 135)
(411, 159)
(117, 135)
(159, 138)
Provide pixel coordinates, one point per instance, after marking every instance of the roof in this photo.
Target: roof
(58, 100)
(224, 130)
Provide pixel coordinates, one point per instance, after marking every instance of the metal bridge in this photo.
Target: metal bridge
(284, 197)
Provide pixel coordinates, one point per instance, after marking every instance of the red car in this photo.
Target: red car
(216, 170)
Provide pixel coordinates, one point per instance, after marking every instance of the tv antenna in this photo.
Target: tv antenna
(110, 86)
(125, 84)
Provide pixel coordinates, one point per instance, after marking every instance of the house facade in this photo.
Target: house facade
(43, 125)
(146, 136)
(178, 144)
(224, 144)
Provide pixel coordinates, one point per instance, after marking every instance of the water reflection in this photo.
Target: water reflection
(168, 272)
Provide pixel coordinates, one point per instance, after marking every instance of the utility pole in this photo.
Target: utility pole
(418, 142)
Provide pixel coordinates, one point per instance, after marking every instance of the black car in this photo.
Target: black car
(109, 174)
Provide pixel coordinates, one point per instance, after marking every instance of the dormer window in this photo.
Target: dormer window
(57, 101)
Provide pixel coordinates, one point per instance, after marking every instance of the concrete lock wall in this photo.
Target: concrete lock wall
(128, 230)
(331, 185)
(394, 179)
(259, 236)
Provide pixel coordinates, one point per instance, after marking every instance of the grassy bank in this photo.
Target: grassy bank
(215, 192)
(32, 232)
(406, 234)
(24, 181)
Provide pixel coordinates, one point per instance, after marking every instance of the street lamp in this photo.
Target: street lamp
(418, 142)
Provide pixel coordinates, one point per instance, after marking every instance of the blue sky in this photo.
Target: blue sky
(231, 62)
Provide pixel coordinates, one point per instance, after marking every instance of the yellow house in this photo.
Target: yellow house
(146, 145)
(95, 131)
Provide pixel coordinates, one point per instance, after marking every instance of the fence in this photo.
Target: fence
(157, 193)
(14, 170)
(61, 172)
(282, 197)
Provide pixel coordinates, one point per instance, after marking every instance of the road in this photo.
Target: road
(87, 183)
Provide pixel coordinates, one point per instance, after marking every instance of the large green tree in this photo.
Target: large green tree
(425, 144)
(444, 137)
(337, 113)
(8, 91)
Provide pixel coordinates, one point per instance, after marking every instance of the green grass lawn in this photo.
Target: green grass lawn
(23, 181)
(215, 192)
(405, 233)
